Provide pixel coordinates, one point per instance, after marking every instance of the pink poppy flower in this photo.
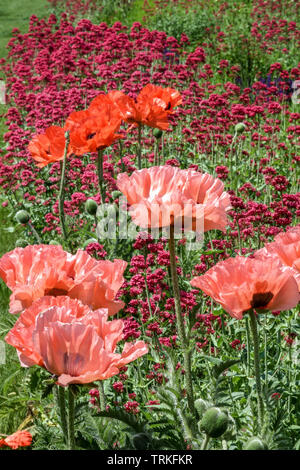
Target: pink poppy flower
(39, 270)
(286, 247)
(71, 341)
(163, 195)
(240, 284)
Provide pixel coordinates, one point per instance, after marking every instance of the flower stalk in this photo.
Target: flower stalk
(61, 197)
(180, 325)
(100, 174)
(71, 417)
(255, 336)
(61, 402)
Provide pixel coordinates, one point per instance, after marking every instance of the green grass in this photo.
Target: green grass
(16, 14)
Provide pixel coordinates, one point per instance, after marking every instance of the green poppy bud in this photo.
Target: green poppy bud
(239, 128)
(157, 133)
(141, 441)
(214, 422)
(116, 194)
(201, 406)
(54, 242)
(22, 217)
(255, 443)
(91, 206)
(90, 240)
(21, 243)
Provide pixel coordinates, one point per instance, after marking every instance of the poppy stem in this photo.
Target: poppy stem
(139, 146)
(100, 174)
(61, 401)
(71, 431)
(102, 396)
(38, 238)
(205, 442)
(180, 324)
(61, 197)
(260, 403)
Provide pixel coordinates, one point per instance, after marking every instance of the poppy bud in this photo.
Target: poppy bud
(239, 128)
(201, 406)
(214, 422)
(141, 441)
(157, 133)
(22, 217)
(21, 243)
(91, 206)
(89, 241)
(54, 242)
(255, 443)
(116, 194)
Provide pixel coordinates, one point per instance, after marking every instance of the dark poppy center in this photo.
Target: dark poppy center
(54, 292)
(72, 363)
(90, 136)
(168, 107)
(261, 300)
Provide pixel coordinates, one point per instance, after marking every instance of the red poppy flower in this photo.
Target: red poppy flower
(94, 129)
(163, 196)
(39, 270)
(152, 108)
(71, 341)
(18, 439)
(286, 247)
(49, 147)
(240, 284)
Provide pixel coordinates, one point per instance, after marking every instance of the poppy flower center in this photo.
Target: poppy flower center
(168, 107)
(72, 363)
(55, 292)
(90, 136)
(261, 299)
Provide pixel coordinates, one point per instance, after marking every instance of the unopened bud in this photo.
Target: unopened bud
(91, 206)
(22, 217)
(214, 422)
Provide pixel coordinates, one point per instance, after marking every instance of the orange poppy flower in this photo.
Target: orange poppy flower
(38, 270)
(49, 147)
(152, 108)
(163, 196)
(286, 247)
(18, 439)
(240, 284)
(93, 129)
(71, 341)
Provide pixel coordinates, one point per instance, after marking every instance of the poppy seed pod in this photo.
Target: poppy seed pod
(157, 133)
(91, 206)
(22, 217)
(255, 443)
(239, 128)
(214, 422)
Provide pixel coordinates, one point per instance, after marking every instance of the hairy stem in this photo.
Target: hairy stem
(100, 174)
(61, 197)
(71, 430)
(61, 402)
(180, 324)
(260, 403)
